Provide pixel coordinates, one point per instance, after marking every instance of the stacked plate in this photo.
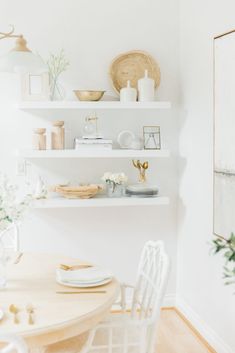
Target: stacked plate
(141, 190)
(84, 278)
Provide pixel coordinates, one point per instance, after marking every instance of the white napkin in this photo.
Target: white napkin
(86, 275)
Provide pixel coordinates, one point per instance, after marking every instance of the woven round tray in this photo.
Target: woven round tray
(78, 192)
(131, 66)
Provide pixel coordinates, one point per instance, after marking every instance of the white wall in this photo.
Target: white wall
(92, 34)
(200, 286)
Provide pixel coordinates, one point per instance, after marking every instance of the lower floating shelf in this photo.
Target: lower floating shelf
(102, 202)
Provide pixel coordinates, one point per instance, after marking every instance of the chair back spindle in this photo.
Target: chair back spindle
(151, 281)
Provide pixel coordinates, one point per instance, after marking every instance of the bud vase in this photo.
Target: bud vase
(114, 190)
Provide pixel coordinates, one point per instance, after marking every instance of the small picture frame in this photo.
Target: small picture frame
(35, 87)
(152, 137)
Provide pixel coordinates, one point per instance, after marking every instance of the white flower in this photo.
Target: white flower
(123, 178)
(115, 178)
(107, 176)
(11, 210)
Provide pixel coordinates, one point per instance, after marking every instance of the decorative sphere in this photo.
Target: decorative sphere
(89, 128)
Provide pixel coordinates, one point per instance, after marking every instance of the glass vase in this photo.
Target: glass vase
(3, 265)
(114, 190)
(3, 274)
(58, 92)
(8, 253)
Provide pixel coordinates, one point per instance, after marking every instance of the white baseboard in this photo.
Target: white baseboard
(206, 332)
(169, 300)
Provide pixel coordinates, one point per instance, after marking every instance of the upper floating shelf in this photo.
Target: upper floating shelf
(93, 105)
(93, 154)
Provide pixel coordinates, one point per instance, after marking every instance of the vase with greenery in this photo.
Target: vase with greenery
(12, 211)
(114, 184)
(57, 64)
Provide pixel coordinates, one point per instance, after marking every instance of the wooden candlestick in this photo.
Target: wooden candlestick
(57, 135)
(39, 139)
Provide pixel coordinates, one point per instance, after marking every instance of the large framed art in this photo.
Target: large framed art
(224, 134)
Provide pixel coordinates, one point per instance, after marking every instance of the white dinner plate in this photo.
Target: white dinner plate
(84, 285)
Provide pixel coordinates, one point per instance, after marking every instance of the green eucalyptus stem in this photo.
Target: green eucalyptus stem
(227, 247)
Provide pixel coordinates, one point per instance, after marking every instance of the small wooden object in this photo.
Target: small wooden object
(39, 139)
(57, 135)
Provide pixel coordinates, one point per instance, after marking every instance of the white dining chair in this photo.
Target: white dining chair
(129, 330)
(135, 330)
(12, 344)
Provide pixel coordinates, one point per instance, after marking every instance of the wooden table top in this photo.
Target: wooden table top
(57, 316)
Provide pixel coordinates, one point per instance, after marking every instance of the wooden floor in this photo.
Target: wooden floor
(175, 336)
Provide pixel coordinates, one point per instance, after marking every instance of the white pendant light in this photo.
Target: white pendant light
(20, 59)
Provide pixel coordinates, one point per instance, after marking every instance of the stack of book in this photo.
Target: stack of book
(89, 144)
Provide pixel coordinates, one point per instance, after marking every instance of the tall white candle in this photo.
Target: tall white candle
(146, 89)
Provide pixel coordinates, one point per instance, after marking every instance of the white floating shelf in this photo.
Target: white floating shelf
(101, 202)
(93, 105)
(31, 154)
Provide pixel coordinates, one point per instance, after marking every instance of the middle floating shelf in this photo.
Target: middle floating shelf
(35, 154)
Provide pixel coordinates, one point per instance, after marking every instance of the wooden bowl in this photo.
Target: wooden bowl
(83, 95)
(78, 192)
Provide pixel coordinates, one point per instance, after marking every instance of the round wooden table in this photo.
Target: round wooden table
(57, 316)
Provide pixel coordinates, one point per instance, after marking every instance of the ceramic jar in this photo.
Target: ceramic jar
(128, 93)
(146, 88)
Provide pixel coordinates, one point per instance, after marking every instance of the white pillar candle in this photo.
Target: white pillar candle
(128, 93)
(146, 88)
